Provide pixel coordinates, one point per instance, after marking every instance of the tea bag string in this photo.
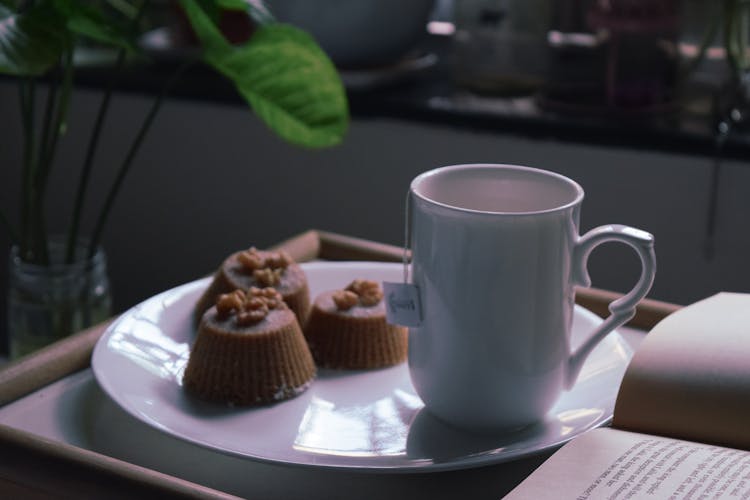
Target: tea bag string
(407, 235)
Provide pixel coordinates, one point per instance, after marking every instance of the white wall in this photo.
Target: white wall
(211, 179)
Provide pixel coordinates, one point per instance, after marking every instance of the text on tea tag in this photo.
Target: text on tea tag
(402, 304)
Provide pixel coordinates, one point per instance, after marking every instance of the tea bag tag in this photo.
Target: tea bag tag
(402, 305)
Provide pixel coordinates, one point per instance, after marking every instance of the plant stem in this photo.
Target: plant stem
(742, 33)
(35, 216)
(58, 127)
(134, 147)
(23, 99)
(89, 161)
(730, 41)
(46, 127)
(38, 182)
(94, 142)
(39, 227)
(123, 7)
(34, 244)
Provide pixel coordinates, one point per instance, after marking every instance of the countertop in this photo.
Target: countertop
(423, 87)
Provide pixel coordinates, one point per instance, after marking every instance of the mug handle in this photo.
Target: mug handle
(622, 309)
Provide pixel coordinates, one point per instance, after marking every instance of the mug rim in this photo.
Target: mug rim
(499, 166)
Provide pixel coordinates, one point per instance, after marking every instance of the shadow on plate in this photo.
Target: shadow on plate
(430, 438)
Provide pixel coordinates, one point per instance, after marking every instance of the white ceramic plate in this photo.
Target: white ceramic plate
(364, 420)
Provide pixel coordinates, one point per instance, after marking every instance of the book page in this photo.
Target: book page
(613, 464)
(690, 377)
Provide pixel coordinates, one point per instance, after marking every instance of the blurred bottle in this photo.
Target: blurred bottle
(613, 55)
(500, 46)
(641, 63)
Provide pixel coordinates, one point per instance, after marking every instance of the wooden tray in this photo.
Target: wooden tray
(69, 468)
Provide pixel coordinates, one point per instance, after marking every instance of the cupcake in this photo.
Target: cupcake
(261, 269)
(347, 329)
(250, 350)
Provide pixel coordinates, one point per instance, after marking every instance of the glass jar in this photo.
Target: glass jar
(48, 303)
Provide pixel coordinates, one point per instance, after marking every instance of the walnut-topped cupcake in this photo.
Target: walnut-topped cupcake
(257, 268)
(249, 351)
(347, 329)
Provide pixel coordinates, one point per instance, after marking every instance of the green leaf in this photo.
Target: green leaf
(290, 83)
(89, 22)
(285, 77)
(232, 4)
(255, 9)
(212, 40)
(31, 42)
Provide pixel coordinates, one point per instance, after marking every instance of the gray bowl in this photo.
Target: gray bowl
(358, 33)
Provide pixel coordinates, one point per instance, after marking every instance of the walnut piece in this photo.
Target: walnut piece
(370, 298)
(278, 260)
(270, 296)
(254, 303)
(251, 260)
(229, 302)
(249, 307)
(368, 292)
(267, 276)
(345, 299)
(247, 318)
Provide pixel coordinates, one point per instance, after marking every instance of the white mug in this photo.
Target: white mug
(496, 254)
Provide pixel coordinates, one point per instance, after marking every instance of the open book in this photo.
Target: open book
(681, 426)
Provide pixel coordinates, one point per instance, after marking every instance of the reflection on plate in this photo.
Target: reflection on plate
(363, 420)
